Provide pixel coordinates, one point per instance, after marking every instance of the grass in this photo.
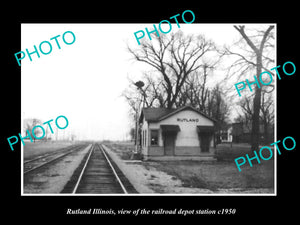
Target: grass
(216, 175)
(226, 152)
(32, 149)
(213, 175)
(123, 149)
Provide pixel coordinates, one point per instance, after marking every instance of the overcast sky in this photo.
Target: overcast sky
(84, 81)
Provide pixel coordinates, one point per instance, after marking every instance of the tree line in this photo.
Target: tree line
(183, 65)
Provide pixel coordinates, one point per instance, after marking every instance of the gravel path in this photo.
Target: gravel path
(52, 180)
(148, 180)
(151, 181)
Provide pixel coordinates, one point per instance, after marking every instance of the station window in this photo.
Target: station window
(154, 137)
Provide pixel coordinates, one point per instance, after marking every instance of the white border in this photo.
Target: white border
(216, 194)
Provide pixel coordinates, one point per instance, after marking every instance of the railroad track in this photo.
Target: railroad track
(98, 174)
(48, 159)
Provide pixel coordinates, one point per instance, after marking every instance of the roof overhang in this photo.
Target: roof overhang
(170, 128)
(205, 129)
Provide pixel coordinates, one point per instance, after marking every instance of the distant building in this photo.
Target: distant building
(226, 134)
(241, 133)
(183, 133)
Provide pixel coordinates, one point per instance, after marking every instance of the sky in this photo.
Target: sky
(84, 81)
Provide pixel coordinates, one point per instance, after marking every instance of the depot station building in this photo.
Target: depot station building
(183, 133)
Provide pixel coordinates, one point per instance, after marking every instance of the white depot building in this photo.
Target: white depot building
(183, 133)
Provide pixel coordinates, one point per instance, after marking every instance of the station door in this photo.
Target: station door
(169, 143)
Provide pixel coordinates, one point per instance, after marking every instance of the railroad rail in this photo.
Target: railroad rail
(98, 174)
(48, 158)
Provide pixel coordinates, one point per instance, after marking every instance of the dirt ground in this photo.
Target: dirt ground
(216, 176)
(195, 177)
(53, 179)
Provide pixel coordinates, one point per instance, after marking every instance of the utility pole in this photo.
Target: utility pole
(139, 85)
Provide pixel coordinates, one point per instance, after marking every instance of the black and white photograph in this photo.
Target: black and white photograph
(177, 108)
(143, 111)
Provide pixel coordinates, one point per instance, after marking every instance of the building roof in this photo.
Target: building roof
(154, 114)
(158, 114)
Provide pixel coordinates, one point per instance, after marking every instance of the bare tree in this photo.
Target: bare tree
(150, 95)
(255, 57)
(247, 112)
(174, 57)
(267, 115)
(219, 108)
(73, 137)
(194, 91)
(29, 124)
